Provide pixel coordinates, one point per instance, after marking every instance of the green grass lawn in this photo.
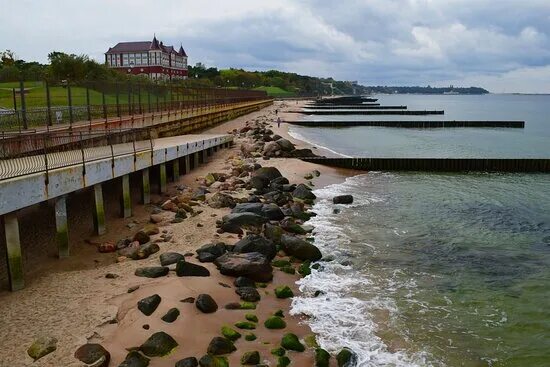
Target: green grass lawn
(276, 92)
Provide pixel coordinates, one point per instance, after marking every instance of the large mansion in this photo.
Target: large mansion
(151, 58)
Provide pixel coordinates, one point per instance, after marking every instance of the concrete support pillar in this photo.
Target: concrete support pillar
(176, 169)
(162, 177)
(146, 188)
(62, 230)
(126, 202)
(13, 252)
(187, 162)
(205, 155)
(196, 159)
(99, 210)
(215, 148)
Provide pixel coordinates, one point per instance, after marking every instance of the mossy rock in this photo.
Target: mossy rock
(322, 358)
(250, 337)
(280, 351)
(288, 269)
(284, 291)
(230, 333)
(246, 325)
(316, 266)
(275, 322)
(251, 317)
(291, 342)
(213, 361)
(261, 285)
(283, 361)
(280, 263)
(240, 306)
(250, 358)
(305, 269)
(346, 358)
(310, 341)
(279, 313)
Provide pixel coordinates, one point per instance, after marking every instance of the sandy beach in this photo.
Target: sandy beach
(74, 302)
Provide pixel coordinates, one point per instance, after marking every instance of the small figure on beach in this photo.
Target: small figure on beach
(276, 112)
(278, 122)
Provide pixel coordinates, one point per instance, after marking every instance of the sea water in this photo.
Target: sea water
(435, 269)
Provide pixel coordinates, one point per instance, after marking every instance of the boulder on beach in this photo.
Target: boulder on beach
(284, 291)
(252, 265)
(250, 358)
(256, 243)
(291, 342)
(303, 192)
(186, 269)
(209, 360)
(42, 346)
(343, 199)
(322, 358)
(135, 359)
(235, 221)
(285, 145)
(152, 271)
(215, 250)
(248, 294)
(220, 346)
(93, 355)
(158, 345)
(171, 315)
(206, 303)
(221, 200)
(169, 258)
(300, 249)
(187, 362)
(148, 305)
(142, 237)
(269, 173)
(275, 322)
(346, 358)
(244, 282)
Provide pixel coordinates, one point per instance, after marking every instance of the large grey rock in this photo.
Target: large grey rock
(135, 359)
(273, 232)
(235, 221)
(300, 249)
(206, 303)
(148, 305)
(252, 265)
(343, 199)
(255, 208)
(285, 145)
(248, 294)
(215, 249)
(272, 212)
(158, 345)
(303, 192)
(256, 243)
(186, 269)
(93, 355)
(219, 346)
(169, 258)
(221, 200)
(187, 362)
(152, 271)
(270, 173)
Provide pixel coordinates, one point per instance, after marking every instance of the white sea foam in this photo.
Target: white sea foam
(338, 317)
(298, 136)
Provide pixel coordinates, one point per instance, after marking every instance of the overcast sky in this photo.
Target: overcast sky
(502, 45)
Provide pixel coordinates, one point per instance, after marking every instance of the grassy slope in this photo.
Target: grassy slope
(276, 91)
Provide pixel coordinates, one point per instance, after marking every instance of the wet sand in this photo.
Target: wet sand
(74, 302)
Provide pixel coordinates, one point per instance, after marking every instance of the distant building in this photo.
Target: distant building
(150, 58)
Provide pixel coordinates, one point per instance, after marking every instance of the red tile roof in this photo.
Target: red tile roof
(143, 46)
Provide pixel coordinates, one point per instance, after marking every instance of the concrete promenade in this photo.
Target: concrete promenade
(70, 171)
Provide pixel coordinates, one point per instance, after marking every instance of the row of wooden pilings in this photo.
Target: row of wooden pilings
(438, 164)
(180, 166)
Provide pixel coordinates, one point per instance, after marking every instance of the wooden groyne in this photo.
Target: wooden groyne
(356, 107)
(437, 164)
(345, 100)
(413, 124)
(369, 112)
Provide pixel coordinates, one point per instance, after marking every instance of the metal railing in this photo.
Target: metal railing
(45, 105)
(80, 149)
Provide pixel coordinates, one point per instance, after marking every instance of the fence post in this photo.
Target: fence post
(49, 103)
(117, 101)
(71, 117)
(130, 104)
(149, 99)
(139, 98)
(23, 104)
(88, 105)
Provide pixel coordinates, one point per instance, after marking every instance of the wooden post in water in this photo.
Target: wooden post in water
(196, 160)
(13, 252)
(176, 169)
(187, 162)
(62, 230)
